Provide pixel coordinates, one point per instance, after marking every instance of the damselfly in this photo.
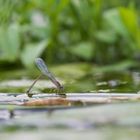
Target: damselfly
(44, 71)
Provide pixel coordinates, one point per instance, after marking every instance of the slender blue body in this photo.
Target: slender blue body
(44, 70)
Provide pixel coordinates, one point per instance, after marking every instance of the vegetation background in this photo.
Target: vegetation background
(92, 47)
(102, 32)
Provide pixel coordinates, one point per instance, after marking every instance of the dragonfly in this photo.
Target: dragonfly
(45, 71)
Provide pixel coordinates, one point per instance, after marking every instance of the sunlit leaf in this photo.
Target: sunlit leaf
(113, 19)
(130, 20)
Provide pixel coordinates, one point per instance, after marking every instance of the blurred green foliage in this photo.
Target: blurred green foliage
(103, 32)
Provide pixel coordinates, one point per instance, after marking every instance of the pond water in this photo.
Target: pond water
(99, 82)
(88, 107)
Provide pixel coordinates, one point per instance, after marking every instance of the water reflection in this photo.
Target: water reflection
(107, 82)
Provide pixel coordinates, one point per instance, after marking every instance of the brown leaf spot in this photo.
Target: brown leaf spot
(48, 102)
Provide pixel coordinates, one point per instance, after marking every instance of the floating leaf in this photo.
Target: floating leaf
(121, 66)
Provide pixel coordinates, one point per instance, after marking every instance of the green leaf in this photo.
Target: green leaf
(130, 20)
(52, 7)
(106, 36)
(112, 17)
(9, 42)
(31, 51)
(83, 50)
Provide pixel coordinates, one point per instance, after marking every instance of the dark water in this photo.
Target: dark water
(118, 82)
(111, 82)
